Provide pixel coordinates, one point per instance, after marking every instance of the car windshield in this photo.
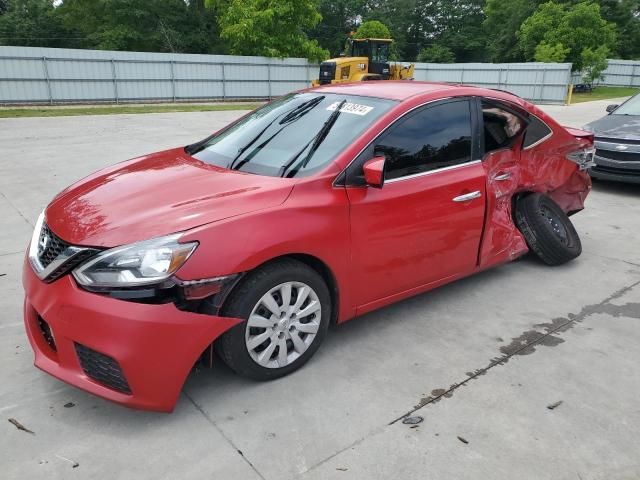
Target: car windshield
(630, 107)
(294, 136)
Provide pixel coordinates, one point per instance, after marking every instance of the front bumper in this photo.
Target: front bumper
(153, 346)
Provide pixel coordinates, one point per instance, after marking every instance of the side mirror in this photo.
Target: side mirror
(374, 170)
(611, 108)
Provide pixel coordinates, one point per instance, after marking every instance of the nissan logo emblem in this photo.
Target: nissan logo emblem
(43, 243)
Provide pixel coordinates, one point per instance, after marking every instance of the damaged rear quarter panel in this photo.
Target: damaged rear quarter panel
(546, 169)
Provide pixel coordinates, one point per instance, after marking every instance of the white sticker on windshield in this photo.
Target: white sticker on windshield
(354, 108)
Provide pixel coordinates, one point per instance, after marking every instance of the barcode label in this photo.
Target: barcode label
(354, 108)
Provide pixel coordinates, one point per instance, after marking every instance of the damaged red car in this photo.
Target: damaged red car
(318, 207)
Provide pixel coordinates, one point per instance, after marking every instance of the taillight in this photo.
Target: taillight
(584, 158)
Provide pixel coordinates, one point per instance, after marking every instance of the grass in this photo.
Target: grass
(603, 93)
(119, 109)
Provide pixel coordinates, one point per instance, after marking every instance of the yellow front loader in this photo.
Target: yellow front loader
(368, 60)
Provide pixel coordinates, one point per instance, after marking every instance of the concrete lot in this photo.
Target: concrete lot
(569, 334)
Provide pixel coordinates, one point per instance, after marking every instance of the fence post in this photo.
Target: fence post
(544, 75)
(462, 75)
(173, 81)
(224, 88)
(633, 75)
(308, 72)
(46, 76)
(500, 78)
(269, 78)
(115, 81)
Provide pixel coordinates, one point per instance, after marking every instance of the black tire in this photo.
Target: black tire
(231, 346)
(547, 229)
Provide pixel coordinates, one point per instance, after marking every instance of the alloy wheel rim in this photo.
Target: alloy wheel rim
(283, 324)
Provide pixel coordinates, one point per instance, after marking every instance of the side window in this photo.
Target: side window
(501, 126)
(537, 131)
(434, 137)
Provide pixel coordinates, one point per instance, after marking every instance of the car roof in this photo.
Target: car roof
(389, 89)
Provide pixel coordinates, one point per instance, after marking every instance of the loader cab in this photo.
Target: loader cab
(377, 51)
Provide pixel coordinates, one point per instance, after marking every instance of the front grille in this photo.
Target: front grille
(70, 264)
(49, 246)
(52, 248)
(617, 141)
(327, 72)
(45, 329)
(102, 368)
(616, 155)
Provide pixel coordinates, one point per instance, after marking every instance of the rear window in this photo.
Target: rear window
(537, 131)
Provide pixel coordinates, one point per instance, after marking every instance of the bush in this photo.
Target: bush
(594, 63)
(436, 54)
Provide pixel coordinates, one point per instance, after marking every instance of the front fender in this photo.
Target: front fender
(313, 221)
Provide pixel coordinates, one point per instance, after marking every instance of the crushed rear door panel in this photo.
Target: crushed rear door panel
(501, 240)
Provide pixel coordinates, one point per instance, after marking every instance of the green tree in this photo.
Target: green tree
(272, 28)
(501, 26)
(339, 19)
(546, 52)
(458, 25)
(143, 25)
(372, 29)
(576, 27)
(407, 20)
(32, 23)
(436, 54)
(625, 14)
(594, 63)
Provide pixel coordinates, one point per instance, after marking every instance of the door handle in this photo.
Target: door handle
(502, 177)
(468, 196)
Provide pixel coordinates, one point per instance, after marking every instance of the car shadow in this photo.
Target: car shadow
(631, 190)
(220, 382)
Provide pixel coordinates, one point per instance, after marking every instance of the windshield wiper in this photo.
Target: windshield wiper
(290, 117)
(294, 114)
(317, 141)
(301, 109)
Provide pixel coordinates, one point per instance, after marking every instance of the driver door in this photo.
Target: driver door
(425, 224)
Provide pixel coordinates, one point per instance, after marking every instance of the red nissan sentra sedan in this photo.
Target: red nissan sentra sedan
(318, 207)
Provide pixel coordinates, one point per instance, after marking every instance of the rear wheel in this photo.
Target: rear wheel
(286, 309)
(547, 229)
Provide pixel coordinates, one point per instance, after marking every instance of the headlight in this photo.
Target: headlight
(138, 264)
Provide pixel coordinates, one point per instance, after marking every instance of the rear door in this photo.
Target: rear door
(425, 224)
(503, 127)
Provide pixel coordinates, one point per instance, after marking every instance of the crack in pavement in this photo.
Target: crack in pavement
(615, 259)
(228, 440)
(527, 342)
(16, 209)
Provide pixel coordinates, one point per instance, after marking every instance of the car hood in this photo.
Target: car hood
(625, 127)
(157, 195)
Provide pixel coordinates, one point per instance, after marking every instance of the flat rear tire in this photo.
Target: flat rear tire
(548, 231)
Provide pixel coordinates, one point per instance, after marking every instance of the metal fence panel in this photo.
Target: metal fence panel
(538, 82)
(36, 75)
(619, 73)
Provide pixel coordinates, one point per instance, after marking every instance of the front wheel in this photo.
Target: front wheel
(286, 309)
